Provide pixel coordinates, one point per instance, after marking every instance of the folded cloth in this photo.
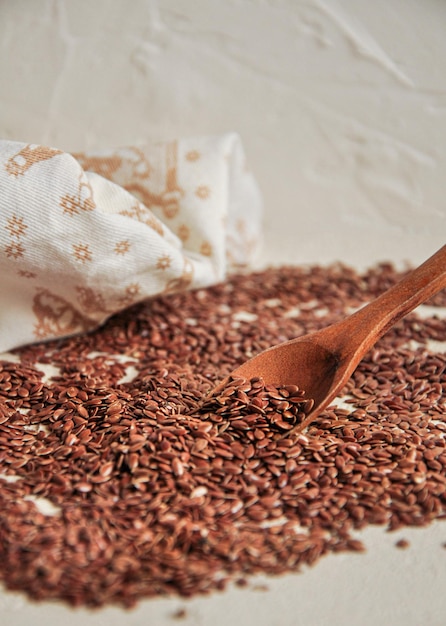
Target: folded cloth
(83, 236)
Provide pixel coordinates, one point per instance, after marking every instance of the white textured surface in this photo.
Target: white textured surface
(341, 105)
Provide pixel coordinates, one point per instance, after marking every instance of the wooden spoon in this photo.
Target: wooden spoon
(322, 362)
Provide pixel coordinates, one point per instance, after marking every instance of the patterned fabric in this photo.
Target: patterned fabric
(83, 236)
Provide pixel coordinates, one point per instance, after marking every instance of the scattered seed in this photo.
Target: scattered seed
(162, 489)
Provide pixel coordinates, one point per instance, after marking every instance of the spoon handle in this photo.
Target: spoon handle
(366, 326)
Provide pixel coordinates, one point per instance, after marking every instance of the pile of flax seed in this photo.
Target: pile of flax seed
(118, 483)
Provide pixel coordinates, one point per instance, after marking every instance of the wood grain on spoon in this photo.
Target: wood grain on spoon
(322, 362)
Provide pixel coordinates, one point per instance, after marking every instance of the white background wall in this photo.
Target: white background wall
(341, 104)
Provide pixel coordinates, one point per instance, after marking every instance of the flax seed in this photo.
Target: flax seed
(153, 484)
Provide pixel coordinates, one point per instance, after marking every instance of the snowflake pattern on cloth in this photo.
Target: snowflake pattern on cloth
(85, 235)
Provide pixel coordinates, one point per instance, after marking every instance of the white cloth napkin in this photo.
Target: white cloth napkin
(83, 236)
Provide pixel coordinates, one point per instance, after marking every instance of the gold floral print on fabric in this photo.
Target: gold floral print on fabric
(144, 215)
(30, 154)
(82, 201)
(168, 201)
(206, 248)
(132, 292)
(55, 316)
(193, 155)
(16, 229)
(104, 166)
(184, 281)
(26, 274)
(163, 262)
(16, 226)
(122, 247)
(183, 232)
(91, 300)
(242, 238)
(14, 250)
(203, 192)
(129, 163)
(82, 252)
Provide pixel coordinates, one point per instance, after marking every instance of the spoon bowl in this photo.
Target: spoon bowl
(322, 362)
(303, 359)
